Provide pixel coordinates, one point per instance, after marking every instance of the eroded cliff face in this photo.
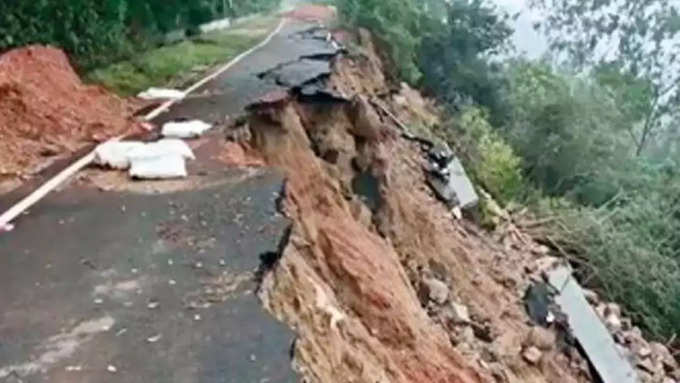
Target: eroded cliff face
(377, 279)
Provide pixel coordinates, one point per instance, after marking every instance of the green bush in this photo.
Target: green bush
(395, 22)
(491, 161)
(96, 32)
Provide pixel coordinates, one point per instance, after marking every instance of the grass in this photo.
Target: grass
(175, 65)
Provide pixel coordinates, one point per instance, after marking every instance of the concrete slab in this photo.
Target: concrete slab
(591, 333)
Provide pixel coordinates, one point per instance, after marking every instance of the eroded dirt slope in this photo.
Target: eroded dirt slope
(378, 280)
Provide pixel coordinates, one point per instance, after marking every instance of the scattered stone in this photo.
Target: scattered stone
(613, 322)
(537, 303)
(532, 355)
(644, 352)
(613, 309)
(172, 282)
(457, 313)
(646, 365)
(197, 317)
(437, 290)
(541, 338)
(152, 305)
(112, 369)
(154, 339)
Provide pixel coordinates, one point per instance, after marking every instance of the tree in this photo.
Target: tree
(639, 39)
(455, 53)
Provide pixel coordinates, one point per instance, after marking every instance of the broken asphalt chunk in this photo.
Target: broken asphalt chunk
(595, 340)
(452, 185)
(537, 301)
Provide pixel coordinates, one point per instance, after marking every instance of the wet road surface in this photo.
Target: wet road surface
(136, 287)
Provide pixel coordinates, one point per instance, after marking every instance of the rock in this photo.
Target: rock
(541, 338)
(613, 309)
(457, 313)
(646, 365)
(613, 322)
(437, 290)
(661, 351)
(644, 352)
(532, 355)
(541, 250)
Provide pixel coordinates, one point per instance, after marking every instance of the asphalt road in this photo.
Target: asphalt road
(131, 287)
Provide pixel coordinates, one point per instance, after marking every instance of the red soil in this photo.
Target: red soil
(45, 110)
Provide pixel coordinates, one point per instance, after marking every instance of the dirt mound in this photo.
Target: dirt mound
(46, 110)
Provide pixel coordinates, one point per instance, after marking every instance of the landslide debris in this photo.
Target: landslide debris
(378, 279)
(45, 110)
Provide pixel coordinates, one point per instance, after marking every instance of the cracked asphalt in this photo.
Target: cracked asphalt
(123, 286)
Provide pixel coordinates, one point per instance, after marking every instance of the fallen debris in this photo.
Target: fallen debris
(532, 355)
(452, 184)
(185, 129)
(593, 336)
(537, 301)
(161, 94)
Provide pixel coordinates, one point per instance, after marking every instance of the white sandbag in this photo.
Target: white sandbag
(164, 147)
(161, 93)
(185, 129)
(115, 154)
(158, 167)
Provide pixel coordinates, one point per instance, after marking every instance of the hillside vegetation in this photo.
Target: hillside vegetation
(588, 139)
(97, 32)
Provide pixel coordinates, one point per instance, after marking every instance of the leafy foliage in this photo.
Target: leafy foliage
(639, 39)
(95, 32)
(491, 161)
(455, 53)
(396, 22)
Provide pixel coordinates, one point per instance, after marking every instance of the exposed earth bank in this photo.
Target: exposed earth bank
(377, 278)
(47, 111)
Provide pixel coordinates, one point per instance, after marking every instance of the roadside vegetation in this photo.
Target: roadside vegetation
(177, 64)
(96, 33)
(586, 137)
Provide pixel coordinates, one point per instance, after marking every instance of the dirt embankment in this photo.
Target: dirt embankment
(378, 280)
(46, 111)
